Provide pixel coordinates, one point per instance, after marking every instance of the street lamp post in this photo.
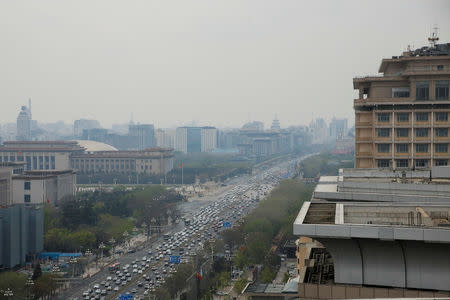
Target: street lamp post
(101, 247)
(73, 261)
(29, 285)
(8, 293)
(112, 241)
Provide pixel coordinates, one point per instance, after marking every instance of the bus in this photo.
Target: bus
(114, 267)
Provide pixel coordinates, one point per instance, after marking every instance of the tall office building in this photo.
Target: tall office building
(338, 128)
(145, 134)
(195, 139)
(82, 124)
(402, 116)
(208, 139)
(24, 124)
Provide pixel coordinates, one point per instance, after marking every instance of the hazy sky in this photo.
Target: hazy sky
(214, 62)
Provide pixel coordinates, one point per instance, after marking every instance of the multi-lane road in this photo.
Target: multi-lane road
(145, 270)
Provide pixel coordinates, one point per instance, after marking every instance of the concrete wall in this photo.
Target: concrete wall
(403, 264)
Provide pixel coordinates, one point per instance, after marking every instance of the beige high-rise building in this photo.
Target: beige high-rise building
(402, 114)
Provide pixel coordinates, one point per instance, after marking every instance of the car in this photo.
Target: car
(134, 291)
(96, 286)
(139, 284)
(109, 278)
(98, 291)
(135, 270)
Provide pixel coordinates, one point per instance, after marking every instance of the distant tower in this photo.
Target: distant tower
(275, 124)
(24, 124)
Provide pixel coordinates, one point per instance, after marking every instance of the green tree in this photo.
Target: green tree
(37, 272)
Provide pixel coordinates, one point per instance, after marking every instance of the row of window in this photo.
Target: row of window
(404, 163)
(420, 148)
(420, 117)
(423, 90)
(419, 132)
(32, 162)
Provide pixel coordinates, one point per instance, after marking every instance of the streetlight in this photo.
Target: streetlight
(73, 261)
(8, 293)
(112, 241)
(29, 285)
(126, 235)
(101, 247)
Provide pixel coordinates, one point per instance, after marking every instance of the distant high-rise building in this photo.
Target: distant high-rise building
(24, 124)
(195, 139)
(208, 139)
(164, 139)
(82, 124)
(338, 128)
(145, 134)
(319, 131)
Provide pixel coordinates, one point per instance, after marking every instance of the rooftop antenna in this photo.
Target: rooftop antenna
(29, 105)
(434, 37)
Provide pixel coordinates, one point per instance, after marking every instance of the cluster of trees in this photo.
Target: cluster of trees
(93, 217)
(43, 286)
(325, 164)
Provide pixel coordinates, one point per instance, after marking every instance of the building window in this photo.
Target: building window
(27, 185)
(383, 148)
(383, 117)
(28, 162)
(422, 90)
(27, 198)
(441, 116)
(442, 89)
(35, 163)
(5, 159)
(402, 132)
(383, 163)
(402, 148)
(442, 148)
(19, 158)
(402, 117)
(440, 67)
(421, 132)
(12, 158)
(383, 132)
(442, 132)
(47, 162)
(52, 161)
(422, 117)
(400, 92)
(421, 148)
(441, 162)
(41, 163)
(421, 163)
(402, 163)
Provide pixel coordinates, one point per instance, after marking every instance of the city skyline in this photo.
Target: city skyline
(232, 60)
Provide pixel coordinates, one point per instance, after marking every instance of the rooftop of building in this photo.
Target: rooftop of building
(41, 174)
(155, 152)
(407, 204)
(94, 146)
